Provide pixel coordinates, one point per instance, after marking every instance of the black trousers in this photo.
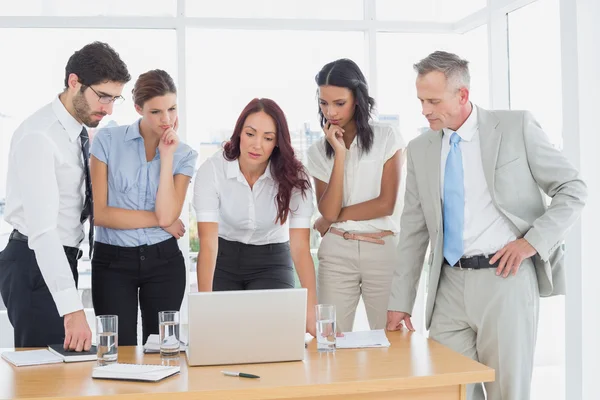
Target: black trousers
(156, 274)
(30, 306)
(248, 267)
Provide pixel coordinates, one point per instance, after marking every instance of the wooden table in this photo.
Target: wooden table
(412, 368)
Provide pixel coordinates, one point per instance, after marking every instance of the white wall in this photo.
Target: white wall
(581, 85)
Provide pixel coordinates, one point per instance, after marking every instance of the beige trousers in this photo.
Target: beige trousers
(492, 320)
(351, 268)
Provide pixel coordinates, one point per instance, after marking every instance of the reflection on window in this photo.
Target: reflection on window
(77, 8)
(53, 47)
(535, 70)
(427, 10)
(396, 54)
(318, 9)
(278, 65)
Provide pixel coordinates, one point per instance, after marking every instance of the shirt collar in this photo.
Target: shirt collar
(468, 128)
(68, 122)
(133, 131)
(233, 171)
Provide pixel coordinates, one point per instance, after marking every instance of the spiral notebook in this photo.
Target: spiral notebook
(52, 355)
(31, 357)
(135, 372)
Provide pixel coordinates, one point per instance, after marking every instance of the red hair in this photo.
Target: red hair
(286, 169)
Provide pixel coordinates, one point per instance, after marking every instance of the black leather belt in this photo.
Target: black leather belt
(72, 252)
(474, 262)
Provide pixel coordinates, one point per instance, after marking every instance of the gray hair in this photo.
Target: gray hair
(455, 69)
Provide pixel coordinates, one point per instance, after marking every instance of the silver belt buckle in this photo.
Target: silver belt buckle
(461, 267)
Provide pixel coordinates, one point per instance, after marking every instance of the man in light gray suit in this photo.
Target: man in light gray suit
(474, 194)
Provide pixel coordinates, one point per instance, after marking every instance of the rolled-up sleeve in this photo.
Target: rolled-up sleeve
(100, 145)
(301, 208)
(206, 194)
(38, 187)
(394, 142)
(316, 164)
(187, 164)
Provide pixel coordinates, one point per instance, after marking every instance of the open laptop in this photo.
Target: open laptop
(247, 326)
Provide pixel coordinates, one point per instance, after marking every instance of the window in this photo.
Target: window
(427, 10)
(279, 65)
(396, 54)
(535, 64)
(330, 9)
(39, 76)
(88, 7)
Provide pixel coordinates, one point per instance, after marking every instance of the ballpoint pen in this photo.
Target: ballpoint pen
(240, 374)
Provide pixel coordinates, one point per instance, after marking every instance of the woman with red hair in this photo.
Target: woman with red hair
(254, 204)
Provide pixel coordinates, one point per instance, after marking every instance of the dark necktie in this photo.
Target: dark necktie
(88, 207)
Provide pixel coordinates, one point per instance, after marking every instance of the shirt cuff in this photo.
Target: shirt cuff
(534, 238)
(207, 216)
(300, 222)
(67, 301)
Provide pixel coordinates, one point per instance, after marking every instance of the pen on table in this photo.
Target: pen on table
(240, 374)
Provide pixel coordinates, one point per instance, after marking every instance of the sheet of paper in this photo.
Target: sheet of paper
(31, 357)
(153, 344)
(357, 340)
(141, 372)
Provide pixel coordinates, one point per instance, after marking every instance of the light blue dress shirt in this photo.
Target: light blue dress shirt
(133, 181)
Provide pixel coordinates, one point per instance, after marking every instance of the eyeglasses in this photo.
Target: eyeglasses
(108, 99)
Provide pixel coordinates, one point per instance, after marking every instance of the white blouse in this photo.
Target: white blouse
(362, 175)
(244, 214)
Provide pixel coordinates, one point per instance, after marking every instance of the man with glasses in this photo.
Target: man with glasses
(49, 197)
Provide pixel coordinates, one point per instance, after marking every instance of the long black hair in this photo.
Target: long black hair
(345, 73)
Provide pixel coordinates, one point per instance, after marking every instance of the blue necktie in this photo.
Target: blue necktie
(454, 203)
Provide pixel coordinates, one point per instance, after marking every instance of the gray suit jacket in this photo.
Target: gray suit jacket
(519, 163)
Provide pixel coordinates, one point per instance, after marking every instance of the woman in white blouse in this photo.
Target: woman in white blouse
(356, 168)
(253, 204)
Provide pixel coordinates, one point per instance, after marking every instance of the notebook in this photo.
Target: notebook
(153, 344)
(135, 372)
(31, 357)
(360, 340)
(73, 356)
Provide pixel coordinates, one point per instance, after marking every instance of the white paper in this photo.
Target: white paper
(143, 372)
(358, 340)
(31, 357)
(153, 344)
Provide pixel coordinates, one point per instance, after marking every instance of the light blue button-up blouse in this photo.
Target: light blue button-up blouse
(133, 181)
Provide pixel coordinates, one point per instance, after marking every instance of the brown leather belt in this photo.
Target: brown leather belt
(376, 237)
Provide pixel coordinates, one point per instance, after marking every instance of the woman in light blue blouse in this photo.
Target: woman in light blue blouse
(140, 175)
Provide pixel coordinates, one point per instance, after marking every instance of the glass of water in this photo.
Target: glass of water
(107, 338)
(325, 316)
(169, 333)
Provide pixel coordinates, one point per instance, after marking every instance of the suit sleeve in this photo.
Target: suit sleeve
(560, 180)
(413, 241)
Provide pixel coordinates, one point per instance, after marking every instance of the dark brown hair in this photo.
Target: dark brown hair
(96, 63)
(345, 73)
(151, 84)
(285, 167)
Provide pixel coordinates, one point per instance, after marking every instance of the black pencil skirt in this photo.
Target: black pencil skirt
(250, 267)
